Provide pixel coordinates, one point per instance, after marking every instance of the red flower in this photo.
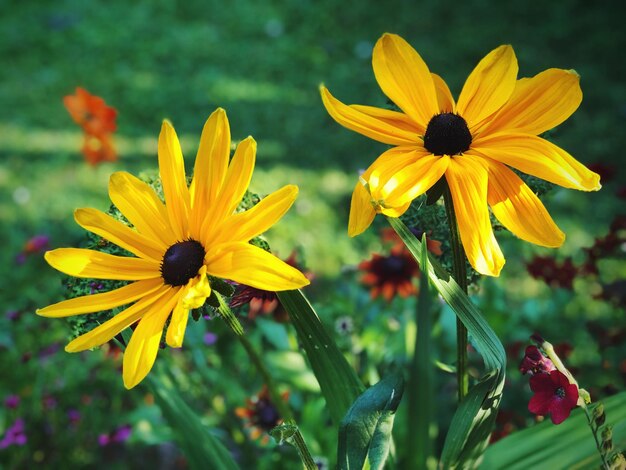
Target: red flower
(97, 120)
(554, 395)
(534, 362)
(390, 275)
(552, 273)
(91, 112)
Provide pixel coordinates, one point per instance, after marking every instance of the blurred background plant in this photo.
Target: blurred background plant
(263, 63)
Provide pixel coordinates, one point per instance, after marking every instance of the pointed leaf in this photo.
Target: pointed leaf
(338, 380)
(365, 432)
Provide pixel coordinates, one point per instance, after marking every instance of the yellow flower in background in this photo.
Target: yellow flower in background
(176, 245)
(494, 125)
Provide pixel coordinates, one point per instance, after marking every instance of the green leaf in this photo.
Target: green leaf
(201, 447)
(420, 384)
(569, 445)
(365, 432)
(338, 380)
(473, 421)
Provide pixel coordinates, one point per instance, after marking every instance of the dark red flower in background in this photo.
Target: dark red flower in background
(554, 395)
(260, 414)
(391, 275)
(553, 273)
(535, 362)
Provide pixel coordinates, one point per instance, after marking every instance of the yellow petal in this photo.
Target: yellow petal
(414, 180)
(235, 185)
(198, 289)
(142, 207)
(210, 167)
(178, 325)
(445, 102)
(142, 349)
(395, 211)
(246, 225)
(250, 265)
(362, 212)
(385, 126)
(107, 330)
(123, 236)
(404, 77)
(540, 103)
(519, 209)
(467, 178)
(394, 119)
(103, 301)
(81, 262)
(489, 86)
(537, 157)
(172, 171)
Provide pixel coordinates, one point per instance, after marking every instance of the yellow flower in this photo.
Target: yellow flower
(472, 142)
(176, 245)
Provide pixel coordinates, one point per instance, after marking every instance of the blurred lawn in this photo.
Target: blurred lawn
(263, 62)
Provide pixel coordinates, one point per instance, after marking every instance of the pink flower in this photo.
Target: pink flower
(534, 362)
(554, 395)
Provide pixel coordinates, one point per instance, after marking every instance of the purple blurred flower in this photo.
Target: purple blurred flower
(210, 338)
(118, 435)
(33, 245)
(73, 416)
(12, 401)
(13, 315)
(15, 435)
(49, 402)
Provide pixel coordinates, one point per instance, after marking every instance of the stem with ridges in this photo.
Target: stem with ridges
(277, 399)
(460, 276)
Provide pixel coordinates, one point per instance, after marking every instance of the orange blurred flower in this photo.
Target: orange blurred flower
(97, 120)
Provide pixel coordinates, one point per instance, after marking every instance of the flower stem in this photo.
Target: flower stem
(460, 276)
(277, 399)
(594, 431)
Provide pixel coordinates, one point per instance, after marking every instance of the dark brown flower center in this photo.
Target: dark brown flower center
(447, 134)
(560, 392)
(181, 262)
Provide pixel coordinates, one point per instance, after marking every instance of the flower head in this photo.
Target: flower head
(554, 395)
(98, 121)
(260, 413)
(390, 275)
(178, 246)
(15, 435)
(472, 143)
(535, 362)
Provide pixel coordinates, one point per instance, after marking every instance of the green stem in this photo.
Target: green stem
(594, 431)
(420, 385)
(460, 276)
(277, 399)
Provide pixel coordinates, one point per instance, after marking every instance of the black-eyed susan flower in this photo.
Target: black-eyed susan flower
(176, 245)
(472, 142)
